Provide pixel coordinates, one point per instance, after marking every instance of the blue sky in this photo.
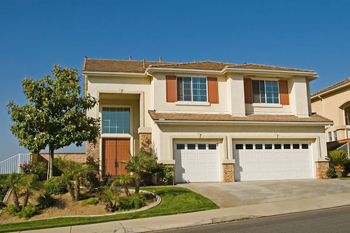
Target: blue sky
(36, 34)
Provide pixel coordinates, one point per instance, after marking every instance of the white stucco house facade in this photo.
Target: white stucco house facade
(213, 121)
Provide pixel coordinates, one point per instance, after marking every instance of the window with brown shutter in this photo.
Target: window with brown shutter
(283, 89)
(248, 94)
(171, 90)
(213, 91)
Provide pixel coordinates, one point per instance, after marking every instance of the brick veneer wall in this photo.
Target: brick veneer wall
(44, 157)
(321, 168)
(228, 172)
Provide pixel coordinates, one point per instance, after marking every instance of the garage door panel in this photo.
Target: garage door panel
(196, 165)
(285, 162)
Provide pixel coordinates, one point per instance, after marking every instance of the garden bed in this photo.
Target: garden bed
(174, 201)
(65, 207)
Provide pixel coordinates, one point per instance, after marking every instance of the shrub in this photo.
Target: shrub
(45, 201)
(28, 211)
(55, 185)
(33, 168)
(135, 201)
(90, 201)
(167, 174)
(3, 190)
(10, 209)
(330, 172)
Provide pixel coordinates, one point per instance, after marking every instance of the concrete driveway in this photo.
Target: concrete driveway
(257, 192)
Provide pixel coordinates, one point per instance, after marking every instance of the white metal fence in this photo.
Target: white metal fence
(345, 147)
(11, 164)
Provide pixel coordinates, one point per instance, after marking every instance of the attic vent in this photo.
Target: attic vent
(143, 63)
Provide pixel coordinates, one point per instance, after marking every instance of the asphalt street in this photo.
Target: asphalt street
(323, 221)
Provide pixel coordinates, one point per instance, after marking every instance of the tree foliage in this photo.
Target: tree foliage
(55, 115)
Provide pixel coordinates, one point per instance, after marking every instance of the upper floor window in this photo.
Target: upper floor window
(347, 115)
(265, 91)
(330, 136)
(115, 120)
(192, 89)
(335, 136)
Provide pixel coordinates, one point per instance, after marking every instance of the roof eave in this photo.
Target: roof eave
(310, 75)
(268, 123)
(121, 74)
(329, 91)
(189, 71)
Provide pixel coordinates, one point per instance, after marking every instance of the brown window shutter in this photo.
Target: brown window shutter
(248, 91)
(283, 89)
(213, 91)
(171, 91)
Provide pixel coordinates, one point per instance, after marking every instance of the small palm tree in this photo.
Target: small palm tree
(339, 158)
(124, 181)
(73, 171)
(13, 182)
(139, 165)
(29, 183)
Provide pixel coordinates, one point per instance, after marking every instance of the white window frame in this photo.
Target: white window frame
(191, 101)
(266, 80)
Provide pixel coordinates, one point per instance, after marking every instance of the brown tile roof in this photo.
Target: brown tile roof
(227, 117)
(330, 88)
(101, 65)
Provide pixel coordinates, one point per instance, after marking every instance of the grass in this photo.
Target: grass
(174, 201)
(345, 178)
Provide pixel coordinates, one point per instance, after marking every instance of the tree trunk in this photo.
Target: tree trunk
(15, 200)
(71, 191)
(26, 197)
(77, 189)
(51, 157)
(137, 185)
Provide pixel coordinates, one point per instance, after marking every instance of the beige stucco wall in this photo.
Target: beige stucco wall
(331, 106)
(164, 137)
(124, 85)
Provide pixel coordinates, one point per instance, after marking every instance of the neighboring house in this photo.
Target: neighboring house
(333, 102)
(213, 121)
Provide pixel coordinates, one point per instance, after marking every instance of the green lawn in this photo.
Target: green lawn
(345, 178)
(174, 201)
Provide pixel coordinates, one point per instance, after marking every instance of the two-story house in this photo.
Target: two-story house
(333, 102)
(212, 121)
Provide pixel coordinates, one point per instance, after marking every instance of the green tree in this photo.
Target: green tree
(55, 116)
(73, 171)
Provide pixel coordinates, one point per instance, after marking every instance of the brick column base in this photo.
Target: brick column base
(321, 168)
(93, 150)
(228, 172)
(145, 142)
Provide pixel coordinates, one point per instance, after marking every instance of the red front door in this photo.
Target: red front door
(114, 151)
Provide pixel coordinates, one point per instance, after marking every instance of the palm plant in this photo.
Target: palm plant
(111, 197)
(29, 183)
(339, 158)
(124, 181)
(73, 171)
(13, 182)
(139, 165)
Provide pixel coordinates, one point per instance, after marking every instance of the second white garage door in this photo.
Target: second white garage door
(196, 162)
(272, 161)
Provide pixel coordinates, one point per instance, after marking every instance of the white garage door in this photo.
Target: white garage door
(272, 161)
(196, 162)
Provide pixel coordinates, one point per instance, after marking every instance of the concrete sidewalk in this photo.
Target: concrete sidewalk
(207, 217)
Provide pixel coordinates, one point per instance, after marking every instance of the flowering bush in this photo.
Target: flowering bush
(28, 168)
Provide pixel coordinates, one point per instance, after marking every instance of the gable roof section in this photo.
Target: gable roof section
(101, 65)
(229, 118)
(332, 88)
